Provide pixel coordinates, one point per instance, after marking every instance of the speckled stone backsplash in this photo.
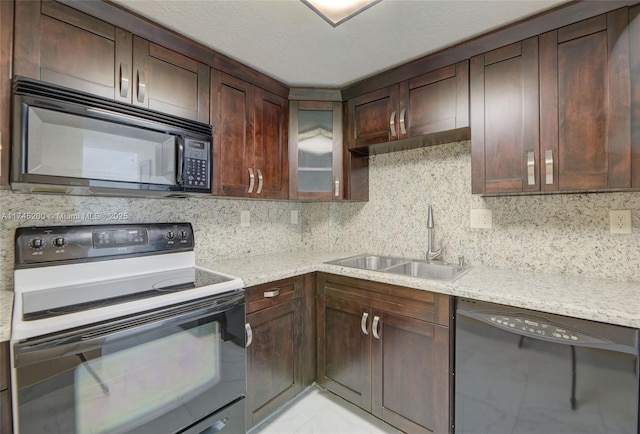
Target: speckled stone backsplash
(563, 233)
(216, 222)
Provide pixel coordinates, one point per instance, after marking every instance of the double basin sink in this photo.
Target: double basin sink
(402, 266)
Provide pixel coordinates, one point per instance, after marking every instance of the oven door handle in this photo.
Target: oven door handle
(81, 341)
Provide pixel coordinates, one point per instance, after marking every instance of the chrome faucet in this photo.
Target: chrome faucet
(431, 254)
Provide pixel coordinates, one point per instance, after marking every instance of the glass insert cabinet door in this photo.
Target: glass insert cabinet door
(315, 151)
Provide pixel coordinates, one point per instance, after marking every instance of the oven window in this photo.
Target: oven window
(162, 380)
(62, 144)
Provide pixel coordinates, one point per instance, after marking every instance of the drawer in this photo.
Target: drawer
(271, 294)
(409, 302)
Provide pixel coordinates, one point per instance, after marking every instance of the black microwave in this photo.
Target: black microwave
(70, 142)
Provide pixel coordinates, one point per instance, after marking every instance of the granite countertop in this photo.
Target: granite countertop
(594, 299)
(587, 298)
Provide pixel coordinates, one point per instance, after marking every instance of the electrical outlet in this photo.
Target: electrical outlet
(295, 218)
(245, 217)
(620, 221)
(481, 219)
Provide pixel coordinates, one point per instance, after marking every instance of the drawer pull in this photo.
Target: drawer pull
(363, 323)
(247, 327)
(272, 294)
(374, 327)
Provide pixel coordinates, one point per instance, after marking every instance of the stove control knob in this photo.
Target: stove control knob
(59, 242)
(170, 235)
(36, 243)
(183, 234)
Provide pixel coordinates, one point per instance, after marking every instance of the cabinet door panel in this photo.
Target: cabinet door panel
(589, 85)
(270, 145)
(66, 47)
(505, 109)
(273, 361)
(372, 117)
(169, 82)
(344, 364)
(410, 381)
(439, 100)
(634, 33)
(232, 119)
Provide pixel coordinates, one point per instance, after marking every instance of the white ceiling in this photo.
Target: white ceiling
(286, 40)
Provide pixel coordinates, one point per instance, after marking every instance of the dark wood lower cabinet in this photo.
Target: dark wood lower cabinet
(279, 356)
(6, 424)
(386, 349)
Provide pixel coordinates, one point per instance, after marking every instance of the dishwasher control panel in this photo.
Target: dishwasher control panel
(537, 327)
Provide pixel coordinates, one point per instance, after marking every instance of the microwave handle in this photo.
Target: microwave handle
(180, 175)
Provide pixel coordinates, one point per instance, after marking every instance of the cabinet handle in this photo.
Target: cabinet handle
(260, 179)
(363, 323)
(374, 327)
(531, 168)
(247, 327)
(142, 86)
(548, 161)
(392, 123)
(252, 180)
(272, 294)
(124, 80)
(403, 130)
(336, 192)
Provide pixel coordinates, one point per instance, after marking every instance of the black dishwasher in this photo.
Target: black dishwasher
(519, 371)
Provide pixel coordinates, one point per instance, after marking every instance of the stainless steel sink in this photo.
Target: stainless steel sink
(368, 262)
(403, 266)
(428, 270)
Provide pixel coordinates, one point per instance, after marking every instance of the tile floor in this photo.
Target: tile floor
(318, 411)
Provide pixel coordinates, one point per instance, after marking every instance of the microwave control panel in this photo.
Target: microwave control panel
(196, 164)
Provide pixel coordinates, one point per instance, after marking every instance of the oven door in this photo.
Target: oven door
(166, 371)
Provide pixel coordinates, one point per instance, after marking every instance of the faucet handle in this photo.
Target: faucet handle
(432, 255)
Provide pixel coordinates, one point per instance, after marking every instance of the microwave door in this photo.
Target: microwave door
(65, 145)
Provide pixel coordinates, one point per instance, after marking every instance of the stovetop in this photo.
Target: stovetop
(69, 277)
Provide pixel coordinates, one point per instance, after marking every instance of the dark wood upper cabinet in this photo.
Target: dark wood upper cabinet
(64, 46)
(315, 150)
(554, 113)
(386, 349)
(505, 111)
(585, 105)
(169, 82)
(250, 139)
(634, 38)
(435, 105)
